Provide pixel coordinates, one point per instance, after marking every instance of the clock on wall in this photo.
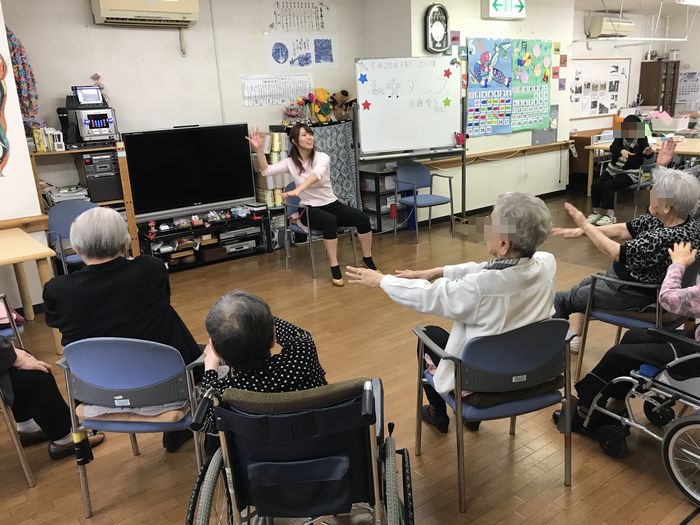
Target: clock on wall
(437, 36)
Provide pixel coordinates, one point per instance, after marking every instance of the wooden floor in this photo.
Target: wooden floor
(360, 332)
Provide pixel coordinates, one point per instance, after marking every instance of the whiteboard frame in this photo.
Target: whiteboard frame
(629, 70)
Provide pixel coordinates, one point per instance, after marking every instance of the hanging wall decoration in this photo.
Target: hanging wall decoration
(532, 66)
(437, 35)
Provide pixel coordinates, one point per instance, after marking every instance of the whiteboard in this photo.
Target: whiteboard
(599, 87)
(407, 103)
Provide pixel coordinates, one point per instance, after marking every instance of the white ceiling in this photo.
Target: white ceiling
(633, 6)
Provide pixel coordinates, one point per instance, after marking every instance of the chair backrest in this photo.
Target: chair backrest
(414, 173)
(120, 372)
(524, 357)
(62, 214)
(299, 454)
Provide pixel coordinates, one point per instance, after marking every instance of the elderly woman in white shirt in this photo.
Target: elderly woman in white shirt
(311, 171)
(514, 289)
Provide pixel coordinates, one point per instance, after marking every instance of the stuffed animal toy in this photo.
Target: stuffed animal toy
(322, 105)
(341, 104)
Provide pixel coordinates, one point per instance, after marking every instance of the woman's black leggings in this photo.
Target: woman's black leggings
(328, 218)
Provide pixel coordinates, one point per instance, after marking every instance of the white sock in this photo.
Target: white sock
(27, 427)
(68, 438)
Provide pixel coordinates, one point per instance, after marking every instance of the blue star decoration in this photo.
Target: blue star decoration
(363, 78)
(446, 101)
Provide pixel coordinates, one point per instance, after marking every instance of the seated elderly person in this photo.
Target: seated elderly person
(638, 348)
(39, 409)
(514, 289)
(638, 249)
(114, 296)
(244, 335)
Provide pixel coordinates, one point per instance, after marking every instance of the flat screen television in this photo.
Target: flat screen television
(187, 170)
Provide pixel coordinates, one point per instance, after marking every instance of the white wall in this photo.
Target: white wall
(18, 196)
(537, 174)
(387, 28)
(610, 49)
(689, 51)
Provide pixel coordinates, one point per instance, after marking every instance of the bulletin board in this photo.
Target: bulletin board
(599, 87)
(408, 103)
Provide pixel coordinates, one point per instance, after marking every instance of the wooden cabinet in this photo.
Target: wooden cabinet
(581, 139)
(657, 84)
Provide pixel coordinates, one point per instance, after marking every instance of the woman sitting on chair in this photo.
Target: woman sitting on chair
(514, 289)
(113, 296)
(638, 348)
(628, 152)
(311, 171)
(242, 333)
(638, 249)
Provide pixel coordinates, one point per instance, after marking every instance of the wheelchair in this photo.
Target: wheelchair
(305, 455)
(662, 390)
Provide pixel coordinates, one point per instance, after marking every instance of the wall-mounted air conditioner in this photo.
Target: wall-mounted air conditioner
(152, 13)
(606, 25)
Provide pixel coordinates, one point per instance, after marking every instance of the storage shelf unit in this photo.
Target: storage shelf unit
(377, 193)
(657, 84)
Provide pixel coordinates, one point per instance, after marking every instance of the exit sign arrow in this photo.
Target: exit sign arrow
(503, 9)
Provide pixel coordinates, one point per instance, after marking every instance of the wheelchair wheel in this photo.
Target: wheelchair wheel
(391, 484)
(193, 506)
(215, 499)
(612, 439)
(658, 415)
(681, 454)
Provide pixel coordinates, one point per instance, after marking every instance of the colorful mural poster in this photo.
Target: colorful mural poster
(532, 65)
(489, 95)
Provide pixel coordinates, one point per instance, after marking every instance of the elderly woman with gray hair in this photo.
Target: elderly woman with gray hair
(113, 296)
(638, 249)
(245, 335)
(514, 289)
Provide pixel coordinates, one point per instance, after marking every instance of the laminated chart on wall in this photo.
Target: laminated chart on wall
(408, 103)
(532, 65)
(270, 90)
(489, 94)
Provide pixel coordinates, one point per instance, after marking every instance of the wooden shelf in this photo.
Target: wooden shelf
(70, 151)
(109, 203)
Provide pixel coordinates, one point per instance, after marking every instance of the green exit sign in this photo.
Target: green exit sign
(503, 9)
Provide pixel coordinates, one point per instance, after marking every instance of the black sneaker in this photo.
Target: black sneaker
(472, 425)
(441, 422)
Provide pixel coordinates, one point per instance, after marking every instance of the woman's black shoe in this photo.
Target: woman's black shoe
(441, 422)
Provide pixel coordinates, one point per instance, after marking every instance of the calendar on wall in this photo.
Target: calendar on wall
(688, 87)
(507, 85)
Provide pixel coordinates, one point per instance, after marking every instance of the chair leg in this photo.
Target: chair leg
(134, 444)
(452, 216)
(512, 425)
(354, 246)
(415, 211)
(85, 490)
(430, 219)
(618, 335)
(12, 428)
(584, 339)
(311, 254)
(77, 430)
(461, 485)
(198, 450)
(419, 415)
(287, 248)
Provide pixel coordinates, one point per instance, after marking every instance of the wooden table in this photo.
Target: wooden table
(17, 247)
(684, 148)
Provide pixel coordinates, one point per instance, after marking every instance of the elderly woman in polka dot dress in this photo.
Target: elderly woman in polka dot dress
(242, 332)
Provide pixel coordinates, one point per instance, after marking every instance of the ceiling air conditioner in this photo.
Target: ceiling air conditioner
(602, 25)
(148, 13)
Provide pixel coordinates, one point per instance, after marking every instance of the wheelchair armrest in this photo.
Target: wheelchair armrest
(419, 331)
(673, 337)
(443, 176)
(635, 284)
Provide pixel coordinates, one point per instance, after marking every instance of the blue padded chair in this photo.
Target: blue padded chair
(120, 372)
(7, 397)
(643, 182)
(291, 206)
(651, 316)
(61, 216)
(520, 360)
(413, 176)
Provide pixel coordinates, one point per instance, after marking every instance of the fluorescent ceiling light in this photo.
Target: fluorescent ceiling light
(689, 2)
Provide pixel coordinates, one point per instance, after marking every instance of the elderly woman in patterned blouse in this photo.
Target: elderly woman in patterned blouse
(242, 333)
(638, 249)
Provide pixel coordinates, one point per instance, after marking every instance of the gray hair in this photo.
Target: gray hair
(680, 187)
(525, 218)
(241, 328)
(99, 233)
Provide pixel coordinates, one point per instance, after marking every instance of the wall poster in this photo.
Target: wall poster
(532, 63)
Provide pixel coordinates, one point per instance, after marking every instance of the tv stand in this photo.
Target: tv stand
(187, 243)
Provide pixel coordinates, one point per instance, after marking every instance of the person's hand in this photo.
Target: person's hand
(567, 233)
(212, 361)
(287, 194)
(625, 154)
(256, 139)
(428, 275)
(683, 253)
(26, 361)
(578, 217)
(364, 276)
(665, 155)
(648, 150)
